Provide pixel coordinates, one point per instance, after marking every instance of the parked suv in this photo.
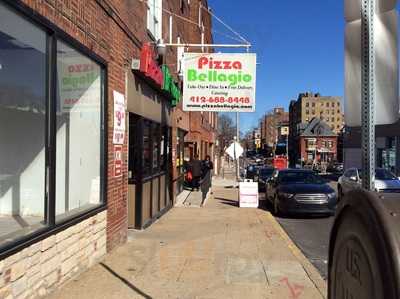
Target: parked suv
(385, 181)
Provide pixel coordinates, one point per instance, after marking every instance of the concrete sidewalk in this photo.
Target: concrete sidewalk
(218, 251)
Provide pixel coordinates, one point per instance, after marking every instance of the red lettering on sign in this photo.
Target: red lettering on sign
(218, 64)
(148, 66)
(80, 68)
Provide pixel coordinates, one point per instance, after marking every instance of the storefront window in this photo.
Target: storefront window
(156, 146)
(163, 147)
(22, 125)
(132, 145)
(78, 131)
(50, 118)
(146, 148)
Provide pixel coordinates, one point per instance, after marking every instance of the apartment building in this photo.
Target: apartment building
(310, 105)
(270, 125)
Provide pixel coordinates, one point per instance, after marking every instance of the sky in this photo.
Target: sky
(299, 46)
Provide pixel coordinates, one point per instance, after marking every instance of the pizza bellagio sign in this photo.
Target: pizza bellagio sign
(219, 82)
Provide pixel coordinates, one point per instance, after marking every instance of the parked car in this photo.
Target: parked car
(335, 168)
(300, 191)
(385, 181)
(264, 173)
(252, 172)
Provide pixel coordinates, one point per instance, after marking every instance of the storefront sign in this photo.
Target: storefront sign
(170, 86)
(119, 118)
(117, 161)
(219, 82)
(148, 65)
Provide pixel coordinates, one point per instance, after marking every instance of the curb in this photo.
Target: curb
(308, 267)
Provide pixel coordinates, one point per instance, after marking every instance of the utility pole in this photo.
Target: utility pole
(368, 94)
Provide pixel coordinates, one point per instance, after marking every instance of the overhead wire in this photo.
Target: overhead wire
(226, 25)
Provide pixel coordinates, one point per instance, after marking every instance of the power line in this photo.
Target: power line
(226, 25)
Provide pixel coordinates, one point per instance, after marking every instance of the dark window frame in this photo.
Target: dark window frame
(54, 34)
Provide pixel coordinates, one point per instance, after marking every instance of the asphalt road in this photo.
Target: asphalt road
(311, 235)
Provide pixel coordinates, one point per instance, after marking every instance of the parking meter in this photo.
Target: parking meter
(364, 249)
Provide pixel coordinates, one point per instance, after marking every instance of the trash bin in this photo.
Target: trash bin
(364, 251)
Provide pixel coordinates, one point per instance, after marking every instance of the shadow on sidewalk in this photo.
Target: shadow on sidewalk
(229, 202)
(126, 282)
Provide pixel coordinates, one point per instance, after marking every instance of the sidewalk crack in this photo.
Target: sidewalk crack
(265, 273)
(181, 272)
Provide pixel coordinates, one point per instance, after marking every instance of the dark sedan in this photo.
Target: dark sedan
(264, 174)
(300, 191)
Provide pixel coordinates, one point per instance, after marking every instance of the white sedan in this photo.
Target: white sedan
(385, 181)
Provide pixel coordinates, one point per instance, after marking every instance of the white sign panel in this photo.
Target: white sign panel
(386, 71)
(352, 8)
(119, 118)
(234, 150)
(219, 82)
(248, 195)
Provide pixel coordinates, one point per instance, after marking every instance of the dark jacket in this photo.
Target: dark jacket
(208, 165)
(196, 168)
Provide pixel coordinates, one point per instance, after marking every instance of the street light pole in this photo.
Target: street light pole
(368, 93)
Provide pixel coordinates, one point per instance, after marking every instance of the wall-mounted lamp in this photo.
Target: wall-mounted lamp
(161, 47)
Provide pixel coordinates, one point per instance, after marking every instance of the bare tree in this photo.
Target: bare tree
(226, 131)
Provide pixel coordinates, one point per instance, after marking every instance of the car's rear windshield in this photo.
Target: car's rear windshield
(382, 174)
(299, 178)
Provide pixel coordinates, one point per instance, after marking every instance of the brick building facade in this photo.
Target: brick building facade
(313, 143)
(270, 124)
(75, 190)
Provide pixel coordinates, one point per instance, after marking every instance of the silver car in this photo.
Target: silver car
(385, 181)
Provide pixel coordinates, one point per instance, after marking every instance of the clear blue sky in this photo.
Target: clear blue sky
(300, 47)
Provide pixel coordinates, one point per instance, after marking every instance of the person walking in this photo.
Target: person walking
(208, 164)
(196, 172)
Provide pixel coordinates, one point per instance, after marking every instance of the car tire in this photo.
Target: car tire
(275, 207)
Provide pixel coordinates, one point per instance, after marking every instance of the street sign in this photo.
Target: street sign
(235, 150)
(352, 8)
(386, 69)
(219, 82)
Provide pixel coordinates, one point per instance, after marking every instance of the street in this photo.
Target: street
(311, 236)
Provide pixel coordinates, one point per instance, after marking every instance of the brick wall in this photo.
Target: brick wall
(113, 30)
(319, 145)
